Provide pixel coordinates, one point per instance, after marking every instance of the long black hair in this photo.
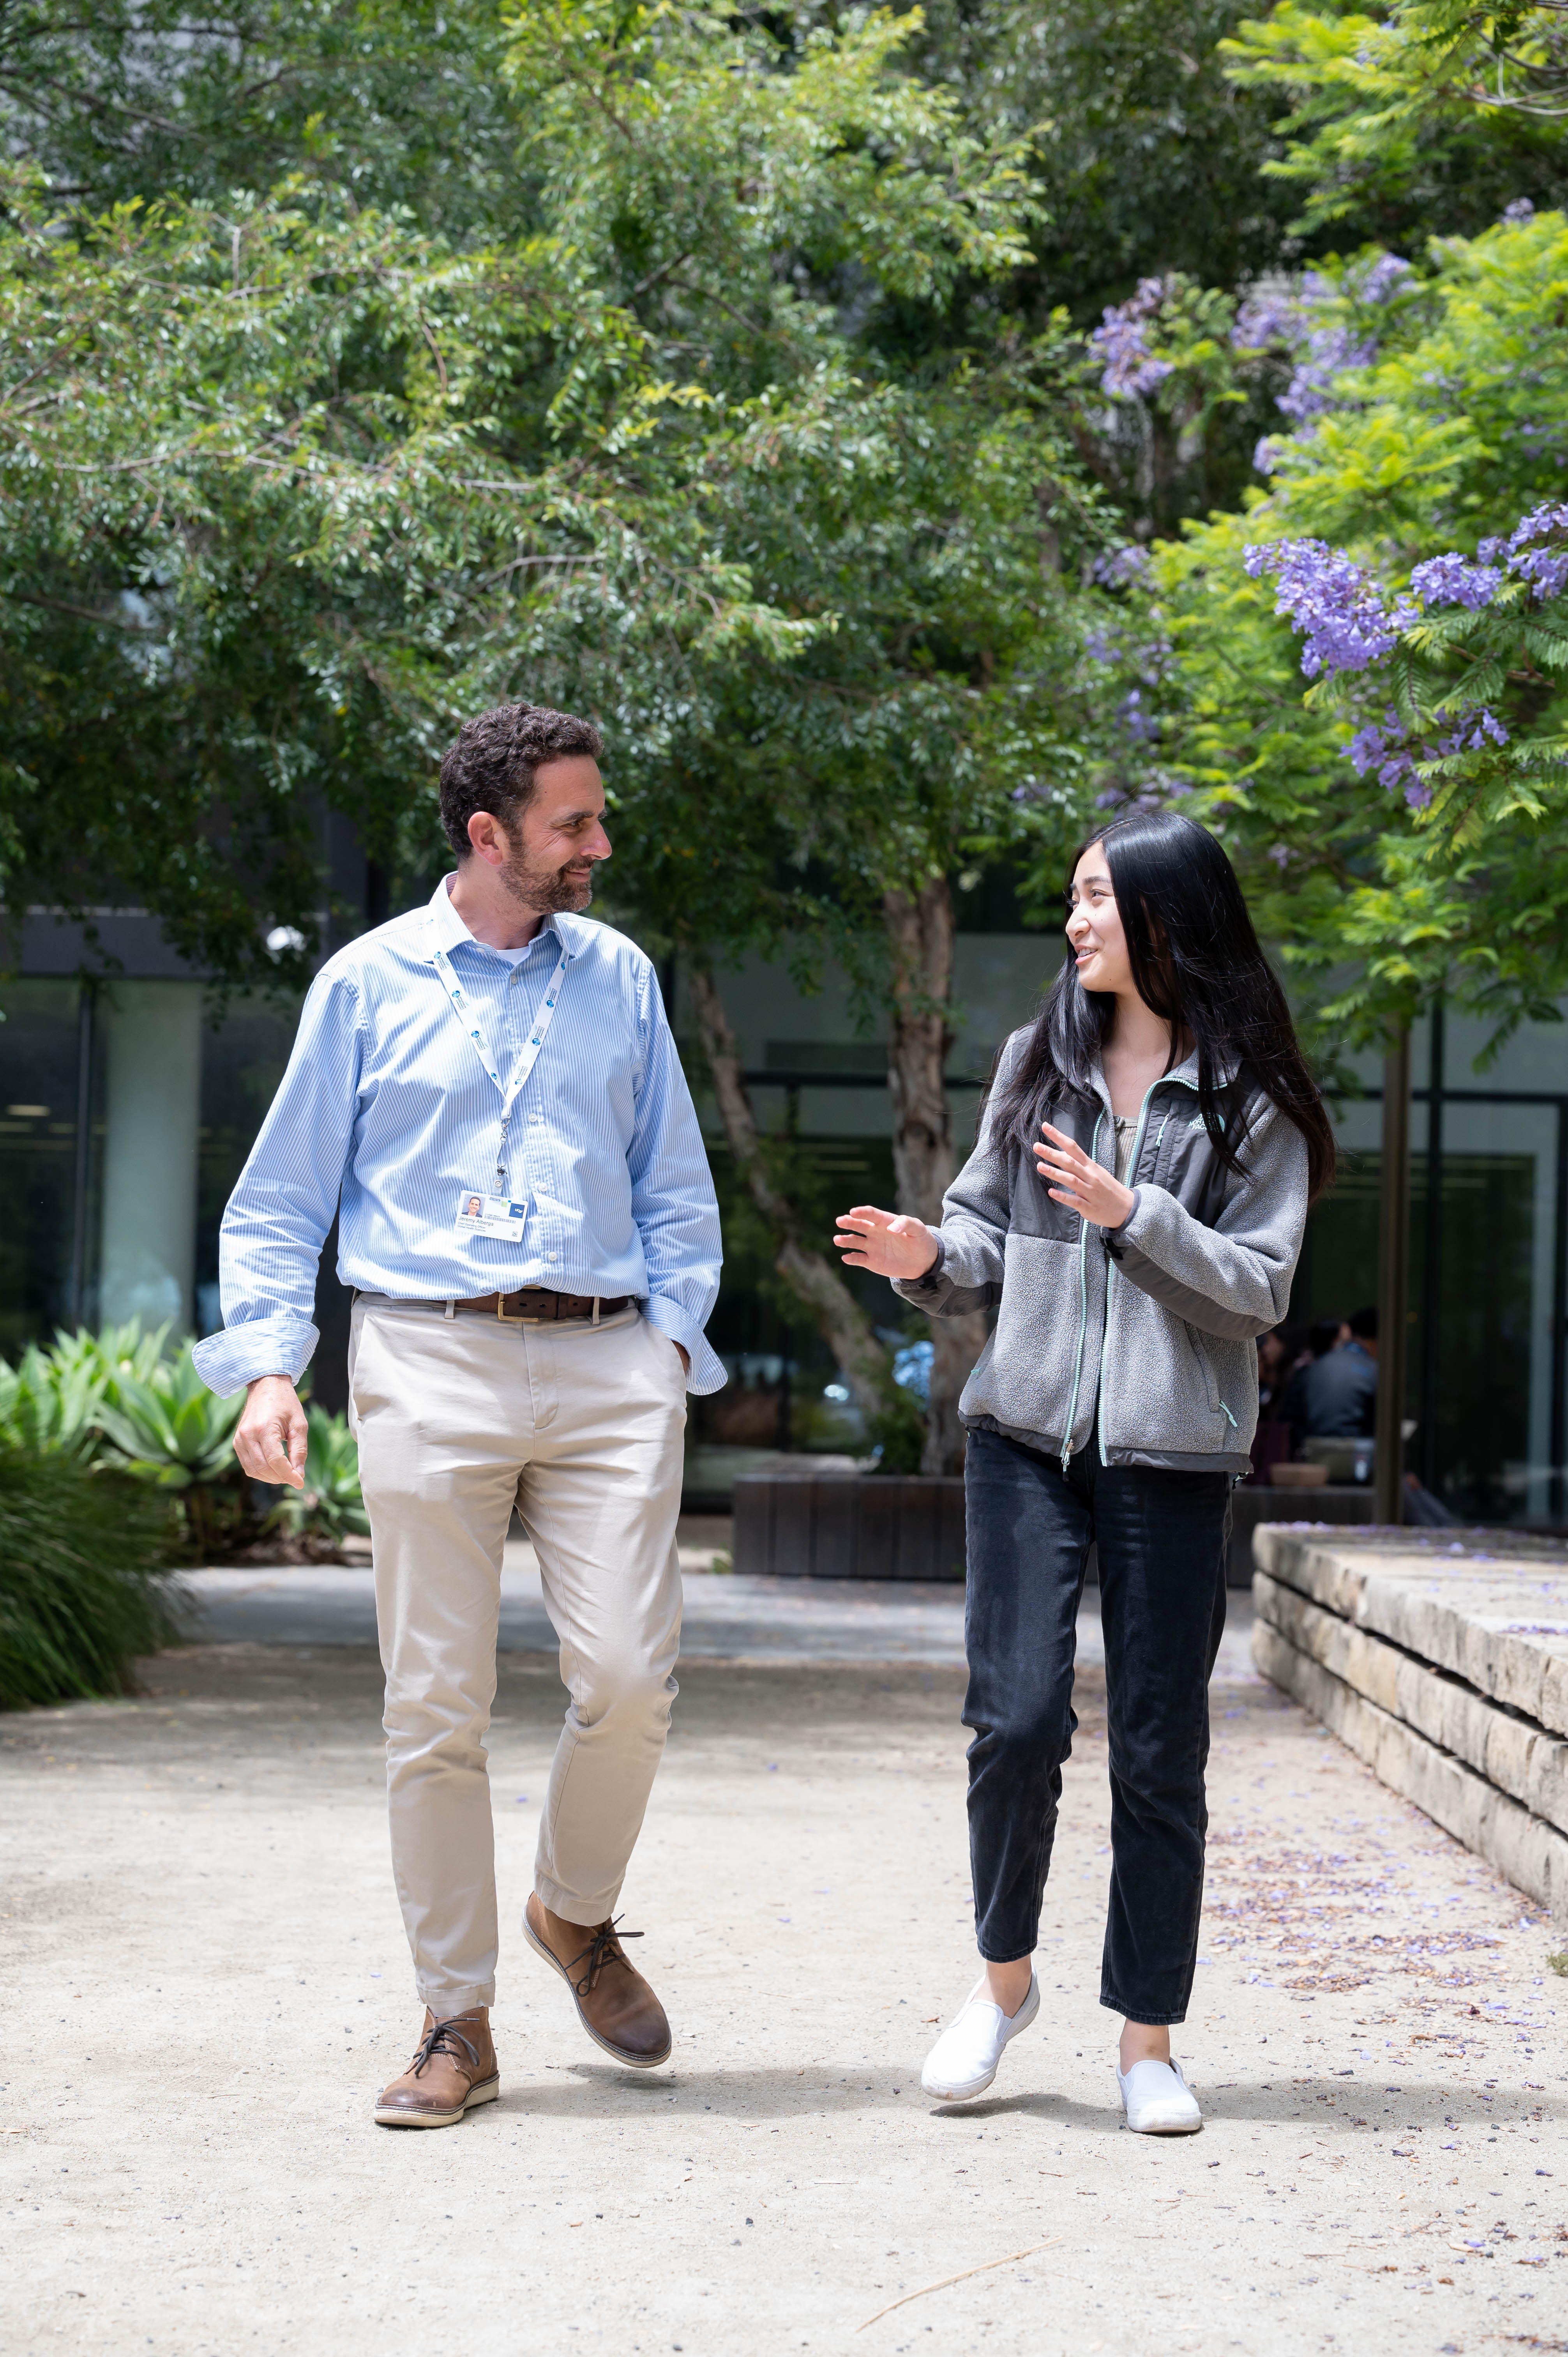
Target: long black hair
(1196, 962)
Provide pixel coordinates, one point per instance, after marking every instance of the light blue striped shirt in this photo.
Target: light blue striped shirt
(387, 1120)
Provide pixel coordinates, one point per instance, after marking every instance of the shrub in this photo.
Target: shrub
(165, 1428)
(80, 1591)
(331, 1503)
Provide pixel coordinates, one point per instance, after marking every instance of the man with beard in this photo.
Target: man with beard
(485, 1094)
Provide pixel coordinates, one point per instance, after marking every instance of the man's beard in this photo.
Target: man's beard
(547, 890)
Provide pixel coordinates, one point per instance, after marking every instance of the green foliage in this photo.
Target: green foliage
(132, 1406)
(1449, 434)
(403, 104)
(80, 1598)
(898, 1435)
(50, 1400)
(166, 1427)
(331, 1502)
(1149, 159)
(1432, 116)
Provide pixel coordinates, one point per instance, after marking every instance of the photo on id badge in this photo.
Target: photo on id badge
(490, 1215)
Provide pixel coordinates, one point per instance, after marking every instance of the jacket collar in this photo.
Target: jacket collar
(1184, 1075)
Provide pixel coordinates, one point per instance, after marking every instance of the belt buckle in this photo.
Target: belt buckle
(501, 1312)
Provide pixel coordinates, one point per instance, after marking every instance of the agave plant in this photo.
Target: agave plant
(50, 1403)
(331, 1501)
(165, 1427)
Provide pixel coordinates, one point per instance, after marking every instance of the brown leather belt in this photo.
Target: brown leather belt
(532, 1303)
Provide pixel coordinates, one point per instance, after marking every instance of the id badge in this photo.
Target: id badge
(490, 1215)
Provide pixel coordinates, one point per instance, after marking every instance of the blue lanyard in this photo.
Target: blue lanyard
(509, 1092)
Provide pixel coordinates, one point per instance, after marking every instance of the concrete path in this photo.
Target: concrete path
(207, 1982)
(726, 1619)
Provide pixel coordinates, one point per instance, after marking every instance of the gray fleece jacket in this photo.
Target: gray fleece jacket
(1155, 1321)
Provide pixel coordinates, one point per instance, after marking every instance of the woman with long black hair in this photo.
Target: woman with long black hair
(1134, 1210)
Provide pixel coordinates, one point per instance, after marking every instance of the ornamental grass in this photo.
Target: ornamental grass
(82, 1591)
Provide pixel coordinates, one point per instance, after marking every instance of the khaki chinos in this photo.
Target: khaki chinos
(581, 1427)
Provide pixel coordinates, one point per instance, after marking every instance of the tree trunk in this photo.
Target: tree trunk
(920, 932)
(845, 1326)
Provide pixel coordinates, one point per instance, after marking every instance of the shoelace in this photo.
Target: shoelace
(445, 2039)
(603, 1949)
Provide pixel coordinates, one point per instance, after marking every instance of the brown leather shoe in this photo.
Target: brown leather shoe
(615, 2004)
(454, 2069)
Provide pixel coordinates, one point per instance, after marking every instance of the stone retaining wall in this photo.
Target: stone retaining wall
(1442, 1663)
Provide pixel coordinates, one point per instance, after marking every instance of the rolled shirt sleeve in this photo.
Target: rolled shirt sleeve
(282, 1211)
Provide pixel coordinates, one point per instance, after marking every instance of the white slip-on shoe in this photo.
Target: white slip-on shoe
(1158, 2100)
(963, 2061)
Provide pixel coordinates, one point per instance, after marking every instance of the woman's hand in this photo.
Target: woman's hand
(887, 1242)
(1083, 1186)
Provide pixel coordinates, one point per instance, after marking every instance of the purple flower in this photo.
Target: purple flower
(1386, 748)
(1120, 568)
(1545, 569)
(1141, 726)
(1330, 351)
(1265, 455)
(1455, 581)
(1379, 280)
(1129, 367)
(1324, 343)
(1473, 729)
(1267, 316)
(1331, 601)
(1518, 212)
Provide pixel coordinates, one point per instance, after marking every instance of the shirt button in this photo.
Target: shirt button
(551, 1258)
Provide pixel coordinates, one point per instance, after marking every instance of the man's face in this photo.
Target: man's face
(560, 838)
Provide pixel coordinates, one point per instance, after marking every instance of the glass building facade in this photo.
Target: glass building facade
(128, 1106)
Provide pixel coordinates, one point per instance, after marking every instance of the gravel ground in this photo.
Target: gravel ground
(198, 1900)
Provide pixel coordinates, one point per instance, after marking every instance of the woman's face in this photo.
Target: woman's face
(1094, 925)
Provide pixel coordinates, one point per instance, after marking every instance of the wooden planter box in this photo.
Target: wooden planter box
(849, 1526)
(810, 1525)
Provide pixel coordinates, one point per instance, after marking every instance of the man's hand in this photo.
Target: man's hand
(887, 1242)
(272, 1437)
(1085, 1187)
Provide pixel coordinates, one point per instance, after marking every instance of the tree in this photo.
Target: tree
(1148, 157)
(1432, 116)
(402, 106)
(1360, 681)
(305, 480)
(736, 192)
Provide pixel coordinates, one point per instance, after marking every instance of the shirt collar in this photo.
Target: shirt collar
(451, 932)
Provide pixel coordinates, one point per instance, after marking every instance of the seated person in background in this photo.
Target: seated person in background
(1336, 1396)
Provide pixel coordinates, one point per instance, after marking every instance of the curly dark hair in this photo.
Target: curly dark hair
(492, 765)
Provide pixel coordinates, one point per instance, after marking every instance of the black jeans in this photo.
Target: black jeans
(1161, 1538)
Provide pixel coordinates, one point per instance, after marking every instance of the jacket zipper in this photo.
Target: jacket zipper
(1110, 1264)
(1110, 1268)
(1082, 1311)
